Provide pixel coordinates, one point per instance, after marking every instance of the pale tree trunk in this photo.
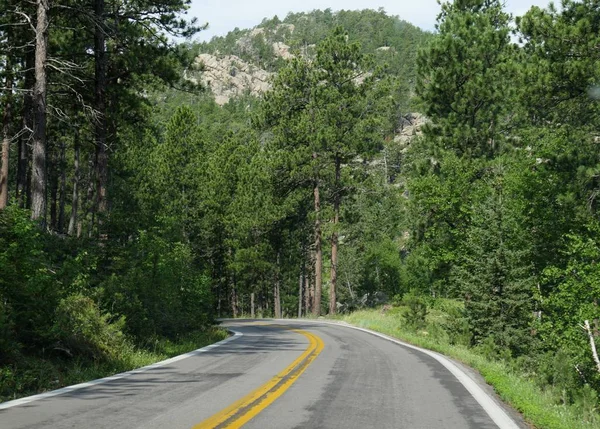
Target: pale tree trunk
(23, 171)
(277, 289)
(38, 174)
(6, 137)
(592, 344)
(75, 197)
(335, 239)
(252, 313)
(100, 106)
(318, 253)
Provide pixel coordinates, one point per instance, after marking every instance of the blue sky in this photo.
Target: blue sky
(224, 15)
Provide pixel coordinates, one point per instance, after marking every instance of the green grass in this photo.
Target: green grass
(35, 374)
(539, 406)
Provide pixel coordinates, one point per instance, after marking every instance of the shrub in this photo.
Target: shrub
(417, 311)
(83, 330)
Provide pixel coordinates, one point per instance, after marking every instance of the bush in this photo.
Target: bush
(417, 311)
(29, 284)
(457, 327)
(8, 345)
(82, 330)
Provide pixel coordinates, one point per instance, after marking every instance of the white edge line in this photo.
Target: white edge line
(496, 413)
(68, 389)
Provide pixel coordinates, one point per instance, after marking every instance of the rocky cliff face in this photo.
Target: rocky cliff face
(410, 127)
(229, 76)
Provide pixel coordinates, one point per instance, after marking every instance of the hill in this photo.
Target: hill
(244, 60)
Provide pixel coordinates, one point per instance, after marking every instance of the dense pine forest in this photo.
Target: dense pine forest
(378, 164)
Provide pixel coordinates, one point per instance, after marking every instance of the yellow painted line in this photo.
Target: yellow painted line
(242, 411)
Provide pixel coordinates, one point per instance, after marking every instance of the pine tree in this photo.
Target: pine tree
(464, 77)
(323, 114)
(494, 273)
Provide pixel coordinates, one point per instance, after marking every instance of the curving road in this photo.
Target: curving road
(277, 374)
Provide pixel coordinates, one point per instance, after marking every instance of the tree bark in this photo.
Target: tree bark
(62, 188)
(100, 106)
(6, 118)
(318, 253)
(234, 301)
(277, 289)
(308, 293)
(86, 222)
(38, 176)
(23, 171)
(335, 238)
(300, 291)
(252, 313)
(75, 196)
(53, 182)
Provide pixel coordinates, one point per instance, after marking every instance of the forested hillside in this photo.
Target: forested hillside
(244, 61)
(389, 38)
(381, 164)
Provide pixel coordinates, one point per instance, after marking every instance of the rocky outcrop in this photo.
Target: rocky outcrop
(410, 127)
(282, 50)
(229, 76)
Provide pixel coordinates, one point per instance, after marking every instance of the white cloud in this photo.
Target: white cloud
(224, 16)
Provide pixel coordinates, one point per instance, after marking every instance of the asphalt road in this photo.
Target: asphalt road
(277, 375)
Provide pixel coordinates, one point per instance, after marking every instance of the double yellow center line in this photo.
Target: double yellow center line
(242, 411)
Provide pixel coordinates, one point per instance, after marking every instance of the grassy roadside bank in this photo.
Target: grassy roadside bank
(36, 374)
(539, 405)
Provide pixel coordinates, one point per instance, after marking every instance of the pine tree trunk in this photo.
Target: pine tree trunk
(38, 175)
(308, 293)
(277, 289)
(62, 188)
(100, 106)
(259, 310)
(318, 254)
(86, 221)
(300, 291)
(6, 118)
(335, 239)
(23, 171)
(75, 197)
(53, 181)
(234, 301)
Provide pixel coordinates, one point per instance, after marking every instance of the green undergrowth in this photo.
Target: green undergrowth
(31, 374)
(540, 404)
